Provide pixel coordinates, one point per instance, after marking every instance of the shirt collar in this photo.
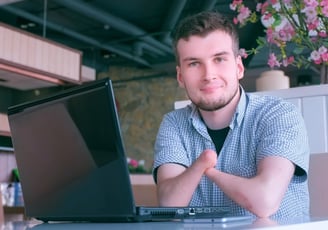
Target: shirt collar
(240, 110)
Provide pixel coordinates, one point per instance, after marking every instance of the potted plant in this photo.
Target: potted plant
(136, 166)
(296, 32)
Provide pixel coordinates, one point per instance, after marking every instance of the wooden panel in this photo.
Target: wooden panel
(22, 49)
(4, 125)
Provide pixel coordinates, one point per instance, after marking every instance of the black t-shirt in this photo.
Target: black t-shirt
(218, 137)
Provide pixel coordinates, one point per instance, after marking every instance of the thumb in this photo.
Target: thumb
(211, 172)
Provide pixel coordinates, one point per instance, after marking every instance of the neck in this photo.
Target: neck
(220, 118)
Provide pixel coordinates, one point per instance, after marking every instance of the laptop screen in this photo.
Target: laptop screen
(70, 155)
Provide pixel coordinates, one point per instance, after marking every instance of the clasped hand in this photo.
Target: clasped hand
(208, 160)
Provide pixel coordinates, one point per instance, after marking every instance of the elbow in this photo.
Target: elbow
(163, 200)
(265, 207)
(164, 197)
(166, 201)
(265, 212)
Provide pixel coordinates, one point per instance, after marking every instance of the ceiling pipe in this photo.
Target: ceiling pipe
(5, 2)
(174, 15)
(140, 46)
(114, 22)
(75, 35)
(172, 19)
(209, 4)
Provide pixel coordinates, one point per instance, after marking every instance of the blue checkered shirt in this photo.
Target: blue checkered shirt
(261, 126)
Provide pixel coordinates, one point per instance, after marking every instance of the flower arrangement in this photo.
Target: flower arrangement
(296, 30)
(136, 166)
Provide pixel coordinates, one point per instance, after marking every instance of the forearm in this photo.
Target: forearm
(176, 184)
(248, 193)
(178, 190)
(261, 194)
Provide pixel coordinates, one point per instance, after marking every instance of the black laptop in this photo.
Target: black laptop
(71, 160)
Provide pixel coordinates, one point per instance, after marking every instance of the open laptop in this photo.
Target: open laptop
(71, 160)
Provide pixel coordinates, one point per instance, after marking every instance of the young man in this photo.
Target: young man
(228, 147)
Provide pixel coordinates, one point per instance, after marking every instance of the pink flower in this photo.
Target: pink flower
(322, 50)
(288, 61)
(243, 53)
(324, 57)
(270, 35)
(235, 4)
(311, 3)
(324, 9)
(258, 7)
(244, 14)
(310, 12)
(322, 34)
(264, 7)
(272, 62)
(316, 57)
(134, 163)
(286, 33)
(233, 7)
(313, 25)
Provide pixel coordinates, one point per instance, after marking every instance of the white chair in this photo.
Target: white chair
(181, 104)
(318, 184)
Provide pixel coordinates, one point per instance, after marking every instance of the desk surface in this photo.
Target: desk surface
(301, 223)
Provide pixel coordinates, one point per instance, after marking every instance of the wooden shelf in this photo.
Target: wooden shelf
(14, 210)
(4, 125)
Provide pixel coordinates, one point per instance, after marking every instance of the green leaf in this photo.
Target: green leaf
(298, 50)
(261, 41)
(277, 20)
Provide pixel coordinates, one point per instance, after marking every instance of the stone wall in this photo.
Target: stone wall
(141, 106)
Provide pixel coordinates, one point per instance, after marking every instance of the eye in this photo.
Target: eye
(219, 59)
(193, 64)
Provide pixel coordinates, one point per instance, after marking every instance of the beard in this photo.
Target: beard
(214, 105)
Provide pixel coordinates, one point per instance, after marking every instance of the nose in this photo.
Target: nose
(209, 72)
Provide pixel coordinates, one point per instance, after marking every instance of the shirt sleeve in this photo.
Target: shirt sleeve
(284, 134)
(169, 144)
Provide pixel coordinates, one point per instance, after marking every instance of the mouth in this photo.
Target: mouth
(211, 88)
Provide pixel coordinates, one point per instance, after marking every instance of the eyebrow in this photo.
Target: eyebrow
(188, 59)
(222, 53)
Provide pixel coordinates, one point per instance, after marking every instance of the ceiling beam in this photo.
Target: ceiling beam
(114, 22)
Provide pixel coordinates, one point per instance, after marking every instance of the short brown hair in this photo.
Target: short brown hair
(202, 24)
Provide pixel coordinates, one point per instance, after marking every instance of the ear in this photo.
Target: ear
(179, 77)
(240, 67)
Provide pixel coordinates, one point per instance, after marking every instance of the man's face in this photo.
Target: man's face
(209, 70)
